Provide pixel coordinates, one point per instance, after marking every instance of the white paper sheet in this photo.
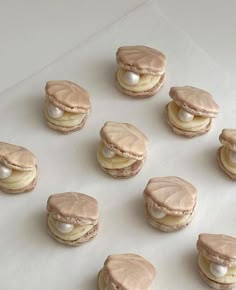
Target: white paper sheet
(29, 258)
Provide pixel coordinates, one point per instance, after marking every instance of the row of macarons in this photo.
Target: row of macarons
(121, 153)
(216, 265)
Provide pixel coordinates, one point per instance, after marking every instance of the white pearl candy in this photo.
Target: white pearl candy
(232, 156)
(4, 171)
(108, 153)
(64, 228)
(131, 78)
(185, 116)
(156, 213)
(54, 111)
(218, 270)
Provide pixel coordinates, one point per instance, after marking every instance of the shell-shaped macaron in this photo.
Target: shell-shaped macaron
(218, 248)
(68, 96)
(173, 194)
(129, 271)
(125, 139)
(195, 101)
(141, 59)
(73, 207)
(228, 138)
(17, 157)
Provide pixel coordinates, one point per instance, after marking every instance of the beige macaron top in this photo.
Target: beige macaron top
(171, 194)
(68, 96)
(73, 207)
(228, 138)
(141, 59)
(217, 248)
(124, 139)
(128, 272)
(16, 157)
(195, 101)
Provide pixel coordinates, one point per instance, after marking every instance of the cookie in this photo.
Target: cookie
(226, 154)
(122, 150)
(18, 169)
(217, 260)
(66, 107)
(191, 112)
(169, 203)
(72, 218)
(141, 71)
(126, 272)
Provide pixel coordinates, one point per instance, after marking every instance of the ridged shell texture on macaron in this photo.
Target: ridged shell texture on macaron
(218, 247)
(228, 138)
(172, 193)
(17, 157)
(68, 96)
(141, 59)
(129, 271)
(124, 139)
(194, 100)
(77, 206)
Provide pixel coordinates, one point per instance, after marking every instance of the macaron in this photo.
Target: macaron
(122, 150)
(169, 202)
(191, 112)
(141, 71)
(126, 272)
(72, 218)
(18, 169)
(226, 154)
(217, 260)
(66, 107)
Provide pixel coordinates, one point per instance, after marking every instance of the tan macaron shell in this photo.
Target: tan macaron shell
(128, 271)
(73, 208)
(218, 248)
(228, 138)
(124, 139)
(17, 157)
(68, 96)
(172, 195)
(195, 101)
(141, 60)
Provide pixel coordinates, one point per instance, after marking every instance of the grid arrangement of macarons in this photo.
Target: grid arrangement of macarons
(169, 202)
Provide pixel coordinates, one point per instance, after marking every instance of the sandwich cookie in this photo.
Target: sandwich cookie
(122, 150)
(66, 107)
(126, 272)
(217, 260)
(191, 111)
(72, 217)
(18, 169)
(169, 202)
(141, 71)
(226, 154)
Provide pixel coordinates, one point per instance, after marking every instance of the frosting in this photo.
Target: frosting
(204, 265)
(232, 157)
(195, 125)
(228, 164)
(18, 179)
(146, 82)
(78, 231)
(116, 162)
(67, 119)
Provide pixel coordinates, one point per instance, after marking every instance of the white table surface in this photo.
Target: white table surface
(30, 259)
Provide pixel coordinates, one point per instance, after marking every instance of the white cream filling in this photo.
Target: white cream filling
(18, 179)
(195, 125)
(228, 278)
(77, 232)
(146, 82)
(68, 119)
(117, 162)
(228, 164)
